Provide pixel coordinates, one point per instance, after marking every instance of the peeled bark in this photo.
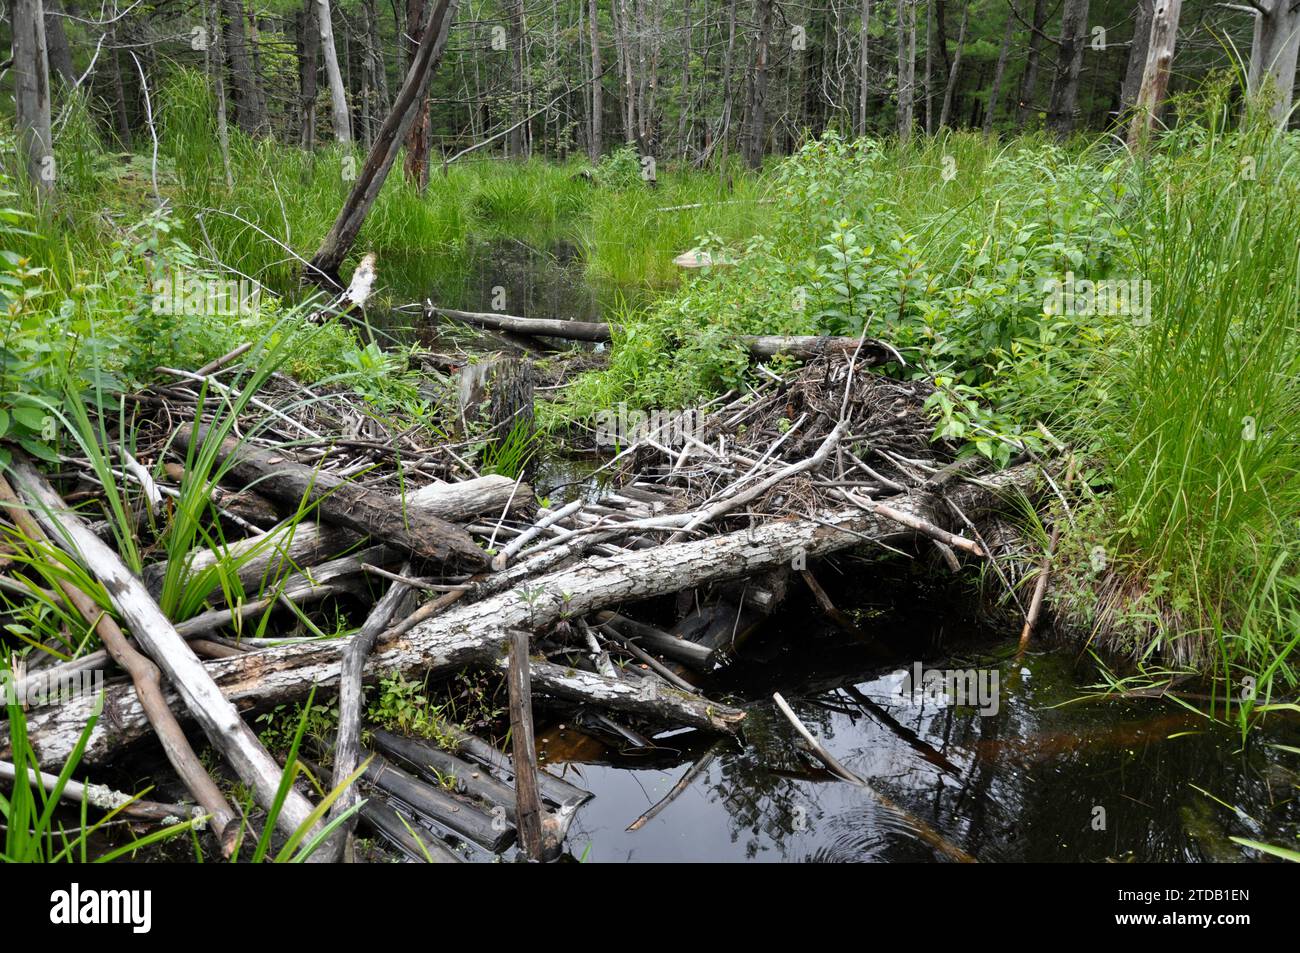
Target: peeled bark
(155, 634)
(1155, 75)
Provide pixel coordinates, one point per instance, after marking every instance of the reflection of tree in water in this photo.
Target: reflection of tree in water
(760, 786)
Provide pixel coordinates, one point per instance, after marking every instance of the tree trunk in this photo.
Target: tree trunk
(1065, 84)
(324, 266)
(1004, 52)
(419, 142)
(59, 52)
(906, 66)
(515, 140)
(946, 111)
(596, 138)
(241, 66)
(32, 94)
(1273, 54)
(1155, 75)
(217, 59)
(756, 91)
(864, 76)
(333, 75)
(308, 71)
(1029, 81)
(1137, 56)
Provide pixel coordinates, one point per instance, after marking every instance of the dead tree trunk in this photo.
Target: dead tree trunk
(1155, 75)
(1137, 56)
(158, 637)
(472, 633)
(324, 266)
(333, 75)
(32, 94)
(412, 529)
(1273, 54)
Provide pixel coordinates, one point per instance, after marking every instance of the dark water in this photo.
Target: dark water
(511, 277)
(1040, 780)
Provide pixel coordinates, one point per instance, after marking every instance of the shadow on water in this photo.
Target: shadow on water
(1042, 779)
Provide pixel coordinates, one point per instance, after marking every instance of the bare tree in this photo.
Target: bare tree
(333, 75)
(1273, 53)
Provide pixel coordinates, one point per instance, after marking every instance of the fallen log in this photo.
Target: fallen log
(528, 799)
(104, 798)
(434, 764)
(155, 633)
(698, 657)
(306, 543)
(461, 818)
(411, 527)
(474, 632)
(802, 347)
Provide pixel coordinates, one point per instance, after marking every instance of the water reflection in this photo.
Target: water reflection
(1039, 781)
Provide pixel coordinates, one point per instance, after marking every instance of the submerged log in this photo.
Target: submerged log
(473, 632)
(412, 528)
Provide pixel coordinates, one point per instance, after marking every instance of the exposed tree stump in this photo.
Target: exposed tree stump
(495, 397)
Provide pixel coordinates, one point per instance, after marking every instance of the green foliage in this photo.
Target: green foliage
(33, 831)
(403, 706)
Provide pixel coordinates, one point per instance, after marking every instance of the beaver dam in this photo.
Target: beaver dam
(349, 635)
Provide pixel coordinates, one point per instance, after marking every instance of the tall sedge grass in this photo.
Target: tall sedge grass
(1202, 443)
